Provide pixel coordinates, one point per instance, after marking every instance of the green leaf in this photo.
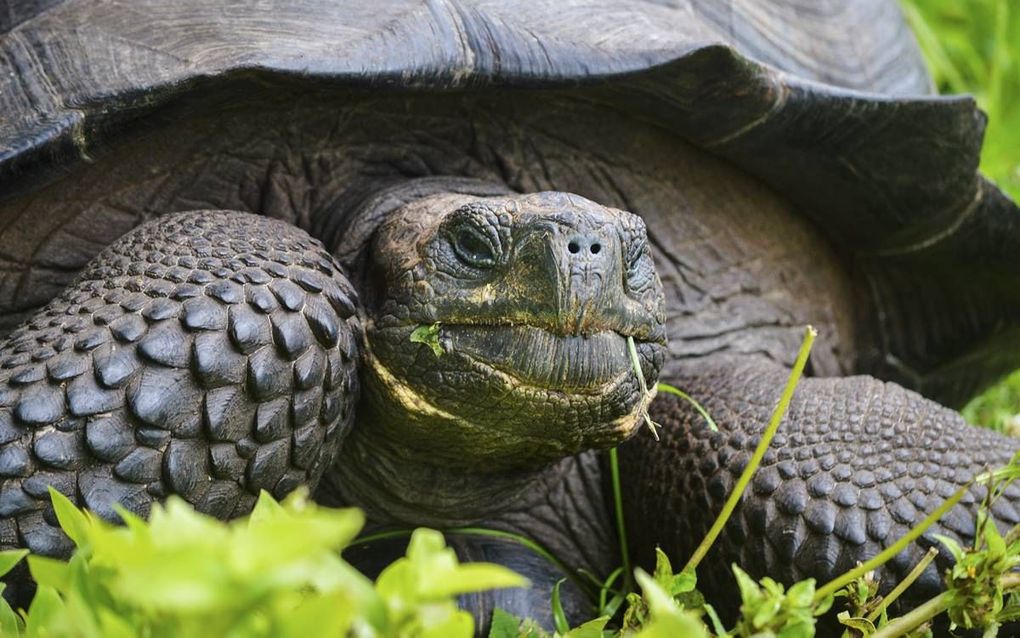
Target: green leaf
(457, 625)
(429, 335)
(667, 619)
(9, 558)
(10, 623)
(863, 625)
(996, 544)
(504, 624)
(559, 617)
(73, 521)
(717, 625)
(474, 577)
(801, 593)
(951, 544)
(266, 509)
(663, 573)
(591, 629)
(44, 616)
(749, 592)
(50, 572)
(683, 583)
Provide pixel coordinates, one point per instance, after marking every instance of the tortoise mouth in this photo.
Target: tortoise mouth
(541, 359)
(502, 392)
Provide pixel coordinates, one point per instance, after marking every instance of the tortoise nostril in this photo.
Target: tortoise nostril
(595, 248)
(574, 247)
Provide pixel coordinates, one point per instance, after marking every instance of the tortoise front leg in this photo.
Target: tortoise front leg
(856, 463)
(209, 354)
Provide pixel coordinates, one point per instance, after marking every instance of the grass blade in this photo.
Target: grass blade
(621, 525)
(668, 389)
(901, 587)
(759, 452)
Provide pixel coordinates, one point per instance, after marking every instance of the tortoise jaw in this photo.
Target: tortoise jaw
(542, 359)
(493, 398)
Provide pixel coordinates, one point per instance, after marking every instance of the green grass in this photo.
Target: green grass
(973, 46)
(998, 407)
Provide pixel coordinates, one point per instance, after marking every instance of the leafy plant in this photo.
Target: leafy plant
(276, 573)
(769, 609)
(998, 407)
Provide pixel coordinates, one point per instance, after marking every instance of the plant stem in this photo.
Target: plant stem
(914, 574)
(621, 525)
(913, 619)
(380, 536)
(668, 389)
(607, 587)
(759, 452)
(646, 396)
(931, 608)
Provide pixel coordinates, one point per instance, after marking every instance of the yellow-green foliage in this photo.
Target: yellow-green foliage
(276, 573)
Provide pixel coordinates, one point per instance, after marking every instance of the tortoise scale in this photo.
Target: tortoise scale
(221, 224)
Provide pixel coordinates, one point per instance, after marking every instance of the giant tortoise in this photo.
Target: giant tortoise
(394, 251)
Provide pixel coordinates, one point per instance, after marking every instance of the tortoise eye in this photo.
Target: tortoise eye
(473, 248)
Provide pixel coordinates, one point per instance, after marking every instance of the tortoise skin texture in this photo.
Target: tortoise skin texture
(208, 355)
(788, 163)
(857, 463)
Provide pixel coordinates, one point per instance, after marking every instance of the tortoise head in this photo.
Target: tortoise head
(497, 328)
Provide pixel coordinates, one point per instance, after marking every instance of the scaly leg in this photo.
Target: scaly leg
(209, 354)
(855, 464)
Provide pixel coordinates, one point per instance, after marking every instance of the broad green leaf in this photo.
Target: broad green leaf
(10, 623)
(801, 593)
(113, 626)
(331, 615)
(504, 624)
(996, 544)
(591, 629)
(659, 602)
(73, 521)
(50, 572)
(748, 588)
(667, 620)
(663, 573)
(45, 614)
(951, 544)
(136, 524)
(863, 625)
(683, 583)
(9, 558)
(458, 625)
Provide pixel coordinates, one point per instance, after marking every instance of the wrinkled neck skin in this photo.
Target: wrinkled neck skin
(396, 486)
(563, 506)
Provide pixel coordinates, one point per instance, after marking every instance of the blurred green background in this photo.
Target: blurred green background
(973, 46)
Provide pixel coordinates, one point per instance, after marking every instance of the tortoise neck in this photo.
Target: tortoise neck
(395, 485)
